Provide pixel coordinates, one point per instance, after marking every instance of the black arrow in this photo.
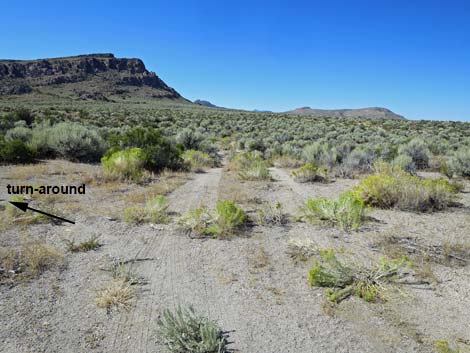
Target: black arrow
(23, 206)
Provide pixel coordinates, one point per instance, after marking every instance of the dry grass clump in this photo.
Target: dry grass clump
(91, 244)
(343, 281)
(155, 211)
(271, 214)
(397, 189)
(28, 260)
(301, 249)
(445, 254)
(259, 259)
(184, 331)
(116, 294)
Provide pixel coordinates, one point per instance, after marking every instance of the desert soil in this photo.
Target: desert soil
(248, 284)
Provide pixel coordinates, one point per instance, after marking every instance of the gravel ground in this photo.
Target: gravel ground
(247, 284)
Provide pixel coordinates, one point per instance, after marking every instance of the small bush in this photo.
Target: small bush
(287, 162)
(405, 163)
(124, 165)
(460, 162)
(301, 249)
(197, 160)
(406, 192)
(343, 281)
(310, 173)
(197, 221)
(15, 152)
(21, 133)
(91, 244)
(229, 217)
(320, 154)
(155, 211)
(442, 346)
(251, 166)
(256, 171)
(346, 212)
(224, 220)
(68, 140)
(187, 332)
(157, 151)
(272, 214)
(418, 151)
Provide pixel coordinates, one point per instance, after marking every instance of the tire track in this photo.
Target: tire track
(170, 277)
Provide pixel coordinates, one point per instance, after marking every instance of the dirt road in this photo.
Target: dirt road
(247, 284)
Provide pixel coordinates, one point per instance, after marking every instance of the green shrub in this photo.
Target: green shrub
(197, 221)
(419, 152)
(197, 160)
(406, 192)
(223, 221)
(158, 152)
(258, 170)
(343, 281)
(320, 154)
(68, 140)
(405, 163)
(358, 161)
(229, 217)
(124, 165)
(187, 332)
(189, 139)
(91, 244)
(21, 133)
(250, 166)
(460, 162)
(15, 151)
(309, 172)
(286, 161)
(346, 212)
(155, 211)
(442, 346)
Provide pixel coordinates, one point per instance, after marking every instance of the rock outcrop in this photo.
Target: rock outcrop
(94, 76)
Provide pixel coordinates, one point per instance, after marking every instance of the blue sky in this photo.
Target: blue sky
(412, 57)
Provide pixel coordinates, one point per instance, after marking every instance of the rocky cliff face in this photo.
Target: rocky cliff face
(89, 76)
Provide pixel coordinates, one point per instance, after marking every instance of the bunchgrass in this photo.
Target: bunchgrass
(28, 260)
(347, 212)
(154, 211)
(271, 214)
(115, 294)
(226, 219)
(185, 331)
(91, 244)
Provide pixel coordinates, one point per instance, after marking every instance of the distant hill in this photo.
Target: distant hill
(370, 113)
(207, 104)
(84, 77)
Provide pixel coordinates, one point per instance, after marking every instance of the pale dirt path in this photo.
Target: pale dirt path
(172, 272)
(271, 309)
